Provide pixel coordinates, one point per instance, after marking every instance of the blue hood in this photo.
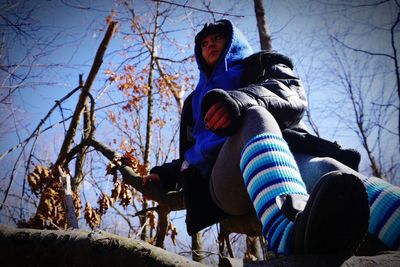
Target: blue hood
(237, 48)
(225, 75)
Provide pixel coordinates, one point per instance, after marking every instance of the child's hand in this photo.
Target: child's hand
(152, 177)
(217, 117)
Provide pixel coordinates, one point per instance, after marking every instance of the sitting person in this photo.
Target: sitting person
(234, 159)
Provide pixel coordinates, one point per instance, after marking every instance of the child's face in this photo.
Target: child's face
(211, 48)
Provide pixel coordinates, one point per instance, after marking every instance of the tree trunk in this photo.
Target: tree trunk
(162, 226)
(150, 102)
(252, 248)
(197, 247)
(265, 37)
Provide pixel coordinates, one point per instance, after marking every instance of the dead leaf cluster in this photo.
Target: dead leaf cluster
(51, 212)
(92, 216)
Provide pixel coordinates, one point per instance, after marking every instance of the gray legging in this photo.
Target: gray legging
(226, 183)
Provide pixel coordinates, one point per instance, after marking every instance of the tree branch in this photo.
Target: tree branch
(173, 60)
(172, 200)
(361, 50)
(98, 60)
(42, 121)
(349, 5)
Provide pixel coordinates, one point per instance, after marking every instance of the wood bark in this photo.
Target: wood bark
(265, 37)
(162, 226)
(252, 248)
(81, 157)
(72, 220)
(98, 60)
(29, 247)
(197, 246)
(287, 261)
(386, 258)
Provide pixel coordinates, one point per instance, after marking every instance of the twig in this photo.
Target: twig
(11, 180)
(361, 50)
(29, 159)
(228, 246)
(42, 121)
(142, 228)
(199, 9)
(34, 134)
(144, 211)
(62, 115)
(24, 144)
(349, 5)
(396, 63)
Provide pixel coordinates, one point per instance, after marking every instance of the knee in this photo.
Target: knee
(327, 164)
(258, 113)
(259, 120)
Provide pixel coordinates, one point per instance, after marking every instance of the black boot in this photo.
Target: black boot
(335, 218)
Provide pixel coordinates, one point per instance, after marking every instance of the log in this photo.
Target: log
(287, 261)
(384, 258)
(31, 247)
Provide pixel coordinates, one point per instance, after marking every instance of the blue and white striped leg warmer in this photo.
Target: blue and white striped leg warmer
(269, 170)
(384, 202)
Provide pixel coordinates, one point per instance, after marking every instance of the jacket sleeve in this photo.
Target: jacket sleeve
(169, 174)
(277, 89)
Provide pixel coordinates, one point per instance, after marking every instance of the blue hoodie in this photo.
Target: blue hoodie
(225, 75)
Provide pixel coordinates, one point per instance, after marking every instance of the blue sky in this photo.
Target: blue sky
(299, 29)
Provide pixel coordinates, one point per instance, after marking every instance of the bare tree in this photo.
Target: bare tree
(364, 74)
(358, 93)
